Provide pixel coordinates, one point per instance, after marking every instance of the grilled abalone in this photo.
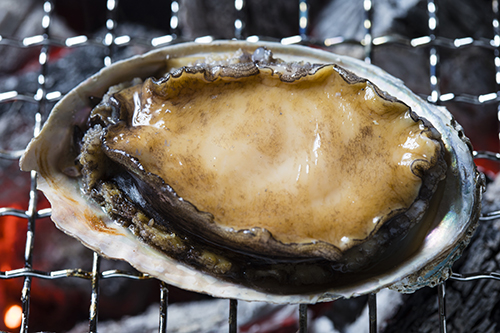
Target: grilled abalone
(236, 168)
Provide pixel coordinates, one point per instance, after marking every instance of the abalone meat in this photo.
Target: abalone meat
(260, 172)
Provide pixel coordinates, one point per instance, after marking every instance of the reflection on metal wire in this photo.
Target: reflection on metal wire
(94, 298)
(367, 25)
(239, 21)
(472, 277)
(163, 306)
(160, 41)
(45, 41)
(174, 18)
(475, 276)
(76, 272)
(303, 18)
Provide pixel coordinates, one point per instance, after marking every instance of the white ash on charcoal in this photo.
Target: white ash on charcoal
(203, 316)
(211, 316)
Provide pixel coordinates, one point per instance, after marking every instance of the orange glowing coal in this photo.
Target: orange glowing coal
(13, 316)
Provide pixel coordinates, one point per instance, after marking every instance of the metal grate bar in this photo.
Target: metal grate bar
(239, 22)
(233, 316)
(496, 31)
(367, 24)
(490, 216)
(174, 19)
(475, 276)
(94, 300)
(12, 96)
(418, 42)
(433, 53)
(435, 97)
(111, 6)
(442, 307)
(28, 255)
(16, 212)
(41, 97)
(303, 18)
(109, 38)
(372, 313)
(163, 307)
(33, 197)
(302, 318)
(75, 272)
(45, 275)
(488, 98)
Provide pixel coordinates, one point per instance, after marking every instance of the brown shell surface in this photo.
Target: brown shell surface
(454, 211)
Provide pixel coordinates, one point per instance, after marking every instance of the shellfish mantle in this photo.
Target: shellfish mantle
(438, 239)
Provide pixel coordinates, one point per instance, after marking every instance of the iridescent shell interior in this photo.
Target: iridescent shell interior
(185, 175)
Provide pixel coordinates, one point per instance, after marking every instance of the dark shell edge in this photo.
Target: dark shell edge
(257, 237)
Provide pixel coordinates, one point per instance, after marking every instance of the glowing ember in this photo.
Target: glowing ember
(13, 316)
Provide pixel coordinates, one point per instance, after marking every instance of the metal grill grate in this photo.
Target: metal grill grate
(41, 98)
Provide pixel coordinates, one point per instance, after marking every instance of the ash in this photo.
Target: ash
(203, 316)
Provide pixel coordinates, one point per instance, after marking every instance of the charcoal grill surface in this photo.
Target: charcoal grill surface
(109, 43)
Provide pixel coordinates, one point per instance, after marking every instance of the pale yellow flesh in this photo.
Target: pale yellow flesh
(317, 159)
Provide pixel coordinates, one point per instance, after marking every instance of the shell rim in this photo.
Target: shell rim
(457, 144)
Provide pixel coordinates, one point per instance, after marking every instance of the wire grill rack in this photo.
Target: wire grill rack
(41, 98)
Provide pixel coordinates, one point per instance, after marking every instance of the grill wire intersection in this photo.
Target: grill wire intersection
(41, 98)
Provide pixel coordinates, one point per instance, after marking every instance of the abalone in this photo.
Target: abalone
(241, 174)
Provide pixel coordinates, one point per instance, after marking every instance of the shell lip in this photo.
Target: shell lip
(462, 210)
(255, 243)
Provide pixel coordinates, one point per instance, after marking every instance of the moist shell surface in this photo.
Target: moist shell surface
(284, 268)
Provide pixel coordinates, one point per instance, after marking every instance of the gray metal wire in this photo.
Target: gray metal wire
(41, 98)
